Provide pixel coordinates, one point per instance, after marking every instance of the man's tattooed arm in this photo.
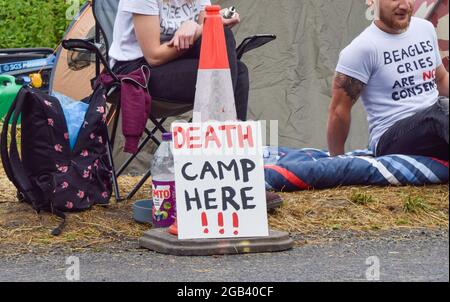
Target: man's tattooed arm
(346, 91)
(351, 86)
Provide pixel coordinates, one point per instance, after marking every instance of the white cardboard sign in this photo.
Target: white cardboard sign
(219, 180)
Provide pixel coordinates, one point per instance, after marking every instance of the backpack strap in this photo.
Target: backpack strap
(11, 161)
(20, 176)
(13, 164)
(4, 144)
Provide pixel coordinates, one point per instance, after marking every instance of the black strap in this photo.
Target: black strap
(24, 184)
(4, 144)
(13, 165)
(7, 165)
(57, 231)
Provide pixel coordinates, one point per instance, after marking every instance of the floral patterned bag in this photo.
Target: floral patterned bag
(49, 175)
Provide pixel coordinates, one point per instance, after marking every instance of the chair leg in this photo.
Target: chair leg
(159, 123)
(150, 136)
(110, 145)
(139, 184)
(114, 176)
(115, 125)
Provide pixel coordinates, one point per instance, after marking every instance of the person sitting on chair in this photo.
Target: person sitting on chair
(166, 36)
(395, 66)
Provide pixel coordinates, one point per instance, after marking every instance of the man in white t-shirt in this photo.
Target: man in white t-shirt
(396, 69)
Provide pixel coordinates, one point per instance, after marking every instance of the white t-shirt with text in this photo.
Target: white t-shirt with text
(398, 70)
(172, 14)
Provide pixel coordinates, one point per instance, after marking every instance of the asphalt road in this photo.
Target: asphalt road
(421, 256)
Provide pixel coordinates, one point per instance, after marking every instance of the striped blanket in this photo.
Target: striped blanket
(293, 170)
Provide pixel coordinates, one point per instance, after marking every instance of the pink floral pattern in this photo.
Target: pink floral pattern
(101, 109)
(80, 194)
(86, 174)
(62, 169)
(73, 173)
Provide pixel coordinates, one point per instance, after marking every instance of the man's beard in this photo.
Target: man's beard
(394, 24)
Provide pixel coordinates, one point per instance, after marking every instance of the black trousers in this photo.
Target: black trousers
(175, 81)
(425, 133)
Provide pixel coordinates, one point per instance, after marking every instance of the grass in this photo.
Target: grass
(355, 209)
(415, 204)
(361, 198)
(18, 135)
(311, 213)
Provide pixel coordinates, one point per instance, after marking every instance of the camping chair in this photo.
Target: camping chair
(104, 12)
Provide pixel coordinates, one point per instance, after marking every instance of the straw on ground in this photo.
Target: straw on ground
(311, 212)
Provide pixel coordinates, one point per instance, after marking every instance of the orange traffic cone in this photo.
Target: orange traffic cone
(173, 229)
(214, 97)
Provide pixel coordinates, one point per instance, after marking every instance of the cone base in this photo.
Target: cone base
(173, 229)
(159, 240)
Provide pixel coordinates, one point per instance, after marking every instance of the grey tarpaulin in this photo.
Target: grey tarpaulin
(291, 77)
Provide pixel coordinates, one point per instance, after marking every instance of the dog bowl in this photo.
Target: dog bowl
(142, 211)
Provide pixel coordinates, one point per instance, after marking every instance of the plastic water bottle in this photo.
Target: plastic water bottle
(163, 184)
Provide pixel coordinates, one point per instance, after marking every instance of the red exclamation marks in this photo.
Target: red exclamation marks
(205, 223)
(235, 223)
(220, 220)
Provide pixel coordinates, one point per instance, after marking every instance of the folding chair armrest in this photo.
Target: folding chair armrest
(74, 44)
(81, 44)
(253, 42)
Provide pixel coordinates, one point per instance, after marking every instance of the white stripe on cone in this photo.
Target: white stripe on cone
(214, 97)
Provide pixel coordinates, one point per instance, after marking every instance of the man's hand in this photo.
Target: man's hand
(186, 35)
(346, 91)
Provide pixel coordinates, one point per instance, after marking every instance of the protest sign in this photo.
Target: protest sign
(219, 180)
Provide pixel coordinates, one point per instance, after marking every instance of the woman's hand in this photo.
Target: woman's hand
(186, 35)
(235, 19)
